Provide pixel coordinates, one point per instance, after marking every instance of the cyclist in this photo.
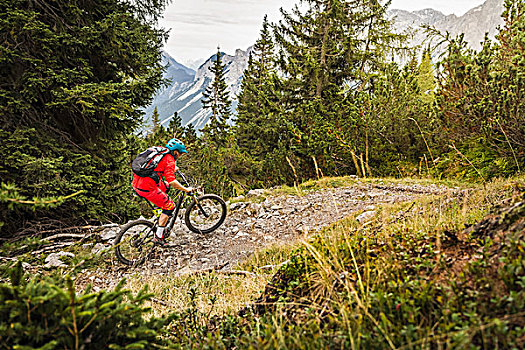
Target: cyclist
(155, 192)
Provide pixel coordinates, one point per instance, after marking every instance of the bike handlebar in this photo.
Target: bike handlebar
(183, 177)
(186, 182)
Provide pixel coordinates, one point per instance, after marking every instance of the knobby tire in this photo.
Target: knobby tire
(214, 211)
(133, 247)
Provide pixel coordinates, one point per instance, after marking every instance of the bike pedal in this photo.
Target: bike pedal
(161, 242)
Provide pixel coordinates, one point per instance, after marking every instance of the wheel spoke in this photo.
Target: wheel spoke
(206, 214)
(134, 243)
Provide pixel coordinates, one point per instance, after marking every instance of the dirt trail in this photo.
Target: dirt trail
(251, 226)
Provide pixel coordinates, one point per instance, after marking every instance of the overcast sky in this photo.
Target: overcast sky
(199, 26)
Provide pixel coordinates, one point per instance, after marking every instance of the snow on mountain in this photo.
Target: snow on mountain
(166, 99)
(185, 92)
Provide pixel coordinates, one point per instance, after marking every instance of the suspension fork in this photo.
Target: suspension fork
(200, 206)
(194, 196)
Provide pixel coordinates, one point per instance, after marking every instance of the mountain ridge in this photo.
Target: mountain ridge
(184, 96)
(479, 20)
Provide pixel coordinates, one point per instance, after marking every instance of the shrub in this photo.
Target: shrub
(40, 313)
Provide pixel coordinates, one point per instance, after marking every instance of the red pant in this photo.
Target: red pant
(147, 188)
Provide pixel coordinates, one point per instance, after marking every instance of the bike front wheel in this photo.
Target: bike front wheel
(205, 214)
(134, 243)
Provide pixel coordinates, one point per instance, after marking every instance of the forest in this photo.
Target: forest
(330, 91)
(323, 94)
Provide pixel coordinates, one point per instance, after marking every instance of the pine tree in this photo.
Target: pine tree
(82, 69)
(155, 119)
(158, 135)
(261, 131)
(426, 79)
(481, 101)
(190, 135)
(73, 78)
(175, 128)
(216, 99)
(509, 83)
(330, 51)
(257, 125)
(332, 42)
(43, 313)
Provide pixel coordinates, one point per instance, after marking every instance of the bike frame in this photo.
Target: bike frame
(173, 217)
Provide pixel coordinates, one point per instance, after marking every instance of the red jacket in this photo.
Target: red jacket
(166, 169)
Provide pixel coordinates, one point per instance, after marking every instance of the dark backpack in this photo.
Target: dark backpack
(146, 162)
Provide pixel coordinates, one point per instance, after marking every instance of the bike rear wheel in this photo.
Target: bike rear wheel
(134, 243)
(205, 214)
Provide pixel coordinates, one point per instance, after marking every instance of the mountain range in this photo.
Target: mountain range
(482, 19)
(183, 95)
(184, 92)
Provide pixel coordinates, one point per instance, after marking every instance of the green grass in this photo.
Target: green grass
(399, 281)
(213, 293)
(411, 278)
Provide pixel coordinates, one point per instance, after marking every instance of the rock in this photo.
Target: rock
(237, 205)
(109, 234)
(302, 228)
(240, 234)
(255, 193)
(99, 247)
(237, 199)
(366, 216)
(373, 194)
(53, 259)
(254, 209)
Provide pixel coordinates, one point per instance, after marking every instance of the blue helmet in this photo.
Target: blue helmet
(176, 145)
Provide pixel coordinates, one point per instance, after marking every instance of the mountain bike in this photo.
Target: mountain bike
(204, 214)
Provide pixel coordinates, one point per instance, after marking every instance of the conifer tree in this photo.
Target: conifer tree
(43, 313)
(481, 99)
(258, 104)
(261, 131)
(330, 51)
(82, 69)
(426, 79)
(175, 128)
(73, 78)
(158, 134)
(155, 120)
(332, 42)
(216, 99)
(510, 84)
(190, 135)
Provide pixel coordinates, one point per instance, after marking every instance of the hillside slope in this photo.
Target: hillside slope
(340, 262)
(184, 95)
